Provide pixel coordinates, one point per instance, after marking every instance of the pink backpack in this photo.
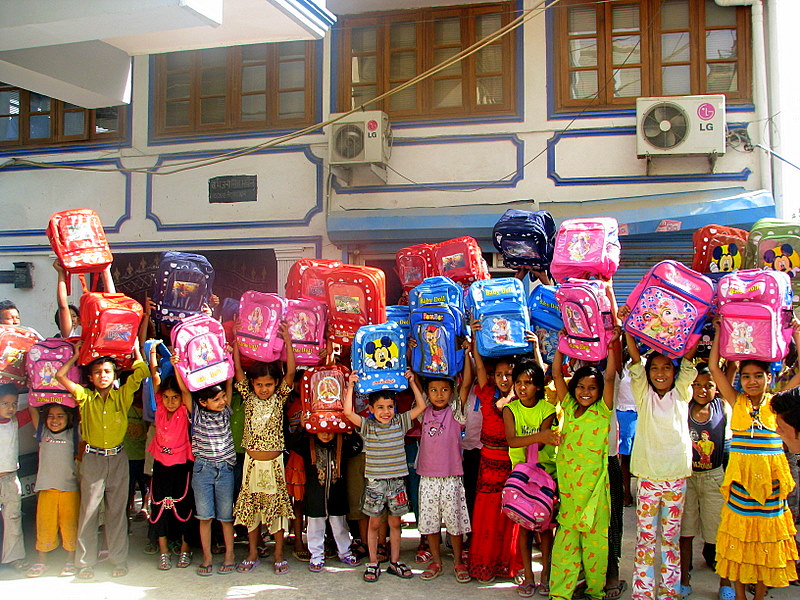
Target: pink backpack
(199, 342)
(669, 307)
(307, 321)
(588, 323)
(260, 315)
(586, 248)
(528, 496)
(756, 311)
(43, 360)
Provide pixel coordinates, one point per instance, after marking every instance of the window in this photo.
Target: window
(28, 119)
(608, 53)
(243, 88)
(380, 51)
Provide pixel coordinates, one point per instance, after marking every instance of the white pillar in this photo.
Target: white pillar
(286, 256)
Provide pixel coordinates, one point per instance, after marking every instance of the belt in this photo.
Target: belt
(104, 451)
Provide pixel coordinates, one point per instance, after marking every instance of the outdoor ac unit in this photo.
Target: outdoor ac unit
(360, 138)
(679, 125)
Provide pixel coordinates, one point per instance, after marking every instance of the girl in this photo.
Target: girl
(528, 419)
(263, 498)
(754, 541)
(662, 460)
(172, 503)
(583, 483)
(59, 500)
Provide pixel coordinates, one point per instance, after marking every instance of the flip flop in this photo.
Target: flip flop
(281, 567)
(526, 590)
(69, 570)
(205, 570)
(36, 570)
(615, 591)
(247, 565)
(86, 573)
(120, 571)
(226, 569)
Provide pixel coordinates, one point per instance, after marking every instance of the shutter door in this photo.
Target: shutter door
(640, 253)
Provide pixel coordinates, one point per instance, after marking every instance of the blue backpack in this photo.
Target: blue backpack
(436, 329)
(525, 238)
(181, 286)
(502, 309)
(165, 369)
(440, 290)
(546, 319)
(379, 357)
(401, 315)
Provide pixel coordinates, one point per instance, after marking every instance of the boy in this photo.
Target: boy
(385, 469)
(104, 470)
(10, 491)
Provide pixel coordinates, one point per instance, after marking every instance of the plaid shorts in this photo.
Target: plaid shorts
(380, 493)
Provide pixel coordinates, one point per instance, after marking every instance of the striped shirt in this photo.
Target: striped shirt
(211, 435)
(384, 446)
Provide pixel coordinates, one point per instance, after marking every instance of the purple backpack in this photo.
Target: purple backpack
(307, 321)
(260, 315)
(199, 342)
(41, 363)
(529, 494)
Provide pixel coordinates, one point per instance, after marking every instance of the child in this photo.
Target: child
(263, 498)
(583, 481)
(385, 468)
(59, 501)
(528, 420)
(104, 469)
(10, 494)
(703, 505)
(662, 460)
(754, 541)
(324, 457)
(441, 489)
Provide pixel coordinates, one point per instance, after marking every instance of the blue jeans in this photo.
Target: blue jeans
(212, 482)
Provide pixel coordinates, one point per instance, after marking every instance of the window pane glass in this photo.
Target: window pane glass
(364, 69)
(719, 16)
(404, 100)
(439, 56)
(721, 77)
(489, 59)
(178, 60)
(292, 75)
(254, 53)
(403, 35)
(625, 17)
(490, 90)
(626, 49)
(39, 103)
(254, 107)
(583, 52)
(582, 20)
(446, 93)
(292, 105)
(675, 14)
(363, 39)
(488, 24)
(212, 110)
(213, 82)
(214, 57)
(9, 102)
(40, 126)
(675, 47)
(627, 83)
(362, 94)
(676, 81)
(403, 65)
(721, 44)
(583, 85)
(447, 31)
(73, 122)
(106, 120)
(9, 128)
(177, 114)
(292, 49)
(178, 85)
(254, 79)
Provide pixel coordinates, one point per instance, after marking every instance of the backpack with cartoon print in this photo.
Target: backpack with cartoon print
(437, 330)
(502, 309)
(321, 395)
(379, 358)
(774, 244)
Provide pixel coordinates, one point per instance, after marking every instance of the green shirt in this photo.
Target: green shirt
(527, 421)
(136, 434)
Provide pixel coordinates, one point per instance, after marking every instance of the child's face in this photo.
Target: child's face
(215, 404)
(264, 387)
(102, 375)
(704, 390)
(439, 393)
(325, 436)
(75, 319)
(8, 406)
(56, 419)
(10, 316)
(383, 410)
(754, 380)
(587, 391)
(502, 377)
(171, 400)
(525, 389)
(662, 374)
(790, 435)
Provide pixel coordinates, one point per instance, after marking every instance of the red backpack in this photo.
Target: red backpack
(15, 342)
(461, 260)
(110, 326)
(718, 249)
(414, 264)
(79, 241)
(306, 279)
(321, 394)
(356, 296)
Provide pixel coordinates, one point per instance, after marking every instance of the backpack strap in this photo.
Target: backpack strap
(532, 454)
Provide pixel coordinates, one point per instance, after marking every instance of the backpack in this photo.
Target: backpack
(307, 321)
(260, 314)
(44, 359)
(356, 296)
(181, 285)
(756, 315)
(436, 329)
(199, 342)
(306, 278)
(669, 307)
(502, 309)
(414, 264)
(110, 326)
(379, 357)
(461, 260)
(525, 238)
(586, 248)
(15, 342)
(165, 369)
(400, 315)
(437, 290)
(529, 494)
(321, 393)
(718, 249)
(775, 244)
(79, 241)
(588, 323)
(546, 319)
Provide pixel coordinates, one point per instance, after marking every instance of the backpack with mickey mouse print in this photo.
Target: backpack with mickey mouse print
(379, 358)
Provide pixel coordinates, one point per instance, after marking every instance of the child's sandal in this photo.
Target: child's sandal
(184, 560)
(462, 573)
(165, 562)
(69, 570)
(400, 569)
(372, 572)
(432, 571)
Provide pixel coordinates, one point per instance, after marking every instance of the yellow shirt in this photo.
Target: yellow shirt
(104, 423)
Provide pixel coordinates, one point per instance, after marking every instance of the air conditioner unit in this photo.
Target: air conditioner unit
(680, 125)
(360, 138)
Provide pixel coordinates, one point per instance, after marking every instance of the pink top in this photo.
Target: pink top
(440, 442)
(170, 445)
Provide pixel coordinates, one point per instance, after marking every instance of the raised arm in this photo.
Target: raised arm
(724, 386)
(633, 349)
(467, 375)
(612, 370)
(62, 299)
(155, 375)
(61, 374)
(558, 376)
(419, 397)
(795, 380)
(186, 395)
(347, 402)
(480, 366)
(108, 281)
(291, 365)
(237, 359)
(533, 339)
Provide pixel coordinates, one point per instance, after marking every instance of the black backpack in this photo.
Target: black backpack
(525, 238)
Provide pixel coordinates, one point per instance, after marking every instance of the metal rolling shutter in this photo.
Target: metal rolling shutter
(641, 252)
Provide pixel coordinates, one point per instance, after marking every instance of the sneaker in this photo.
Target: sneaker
(350, 561)
(316, 567)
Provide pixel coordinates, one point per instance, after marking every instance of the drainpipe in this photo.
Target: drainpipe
(760, 95)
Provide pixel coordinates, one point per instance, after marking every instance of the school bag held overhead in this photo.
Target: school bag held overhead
(15, 342)
(110, 326)
(586, 249)
(260, 316)
(461, 260)
(588, 322)
(199, 342)
(718, 249)
(502, 309)
(306, 322)
(356, 296)
(379, 358)
(321, 393)
(546, 319)
(774, 244)
(44, 360)
(436, 329)
(79, 241)
(525, 238)
(306, 279)
(181, 285)
(414, 264)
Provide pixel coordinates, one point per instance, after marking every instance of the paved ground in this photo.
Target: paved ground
(144, 582)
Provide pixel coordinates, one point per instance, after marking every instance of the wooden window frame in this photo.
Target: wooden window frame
(424, 19)
(650, 50)
(233, 122)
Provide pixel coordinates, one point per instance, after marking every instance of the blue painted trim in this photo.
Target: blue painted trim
(161, 226)
(552, 172)
(324, 18)
(116, 162)
(447, 185)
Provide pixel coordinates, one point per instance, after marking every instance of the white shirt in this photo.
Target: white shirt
(9, 446)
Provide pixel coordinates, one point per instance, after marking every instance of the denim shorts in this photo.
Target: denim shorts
(212, 482)
(380, 493)
(626, 423)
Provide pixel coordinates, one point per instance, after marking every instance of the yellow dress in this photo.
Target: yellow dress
(755, 540)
